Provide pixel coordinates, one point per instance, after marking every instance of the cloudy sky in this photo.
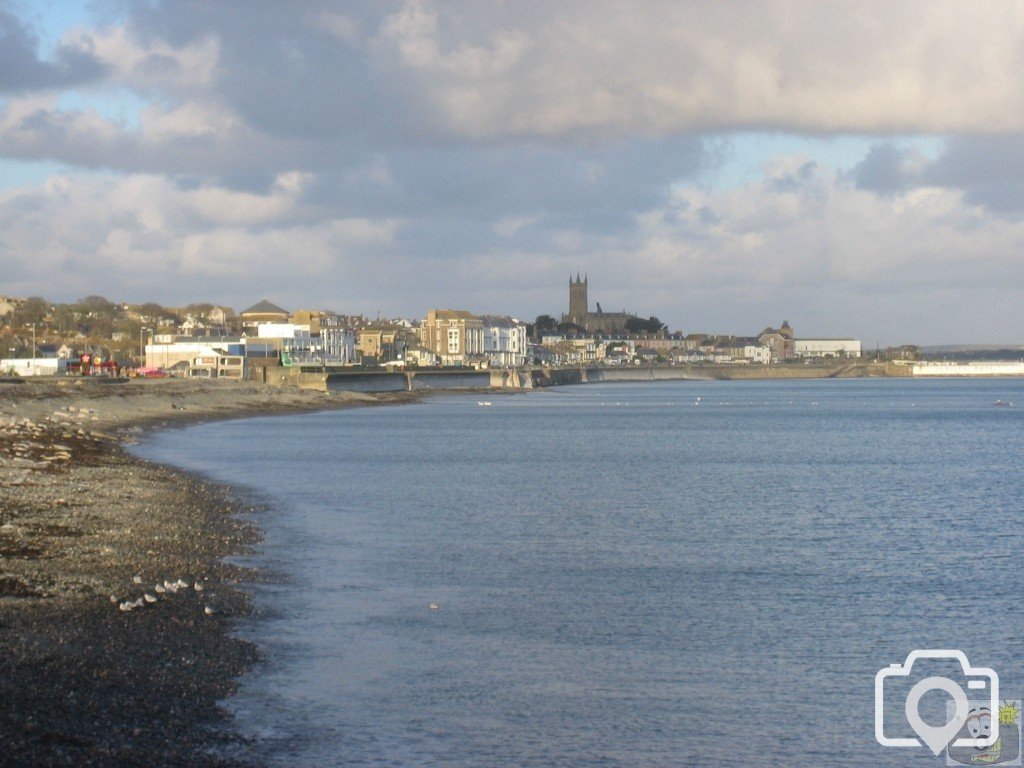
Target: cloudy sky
(853, 167)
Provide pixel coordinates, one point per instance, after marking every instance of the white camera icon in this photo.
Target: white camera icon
(980, 680)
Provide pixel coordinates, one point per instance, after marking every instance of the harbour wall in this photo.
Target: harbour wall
(561, 376)
(968, 369)
(529, 378)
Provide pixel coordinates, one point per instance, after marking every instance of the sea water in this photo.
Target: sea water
(680, 573)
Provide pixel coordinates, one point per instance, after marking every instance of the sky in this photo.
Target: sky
(855, 168)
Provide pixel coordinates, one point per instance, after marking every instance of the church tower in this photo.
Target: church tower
(578, 306)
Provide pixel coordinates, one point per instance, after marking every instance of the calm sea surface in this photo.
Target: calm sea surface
(680, 573)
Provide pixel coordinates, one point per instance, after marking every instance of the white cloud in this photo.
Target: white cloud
(608, 68)
(191, 119)
(472, 154)
(150, 65)
(821, 232)
(136, 233)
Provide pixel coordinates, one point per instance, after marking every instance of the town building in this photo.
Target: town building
(380, 343)
(420, 356)
(504, 341)
(8, 305)
(28, 366)
(579, 311)
(827, 347)
(454, 335)
(337, 345)
(780, 340)
(169, 352)
(262, 312)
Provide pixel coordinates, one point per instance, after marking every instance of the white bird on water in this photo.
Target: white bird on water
(434, 607)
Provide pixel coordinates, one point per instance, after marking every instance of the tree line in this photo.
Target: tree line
(546, 324)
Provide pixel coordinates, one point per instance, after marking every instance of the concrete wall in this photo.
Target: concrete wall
(426, 380)
(280, 376)
(557, 377)
(367, 382)
(645, 374)
(552, 377)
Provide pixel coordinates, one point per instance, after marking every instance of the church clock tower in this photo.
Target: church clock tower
(578, 307)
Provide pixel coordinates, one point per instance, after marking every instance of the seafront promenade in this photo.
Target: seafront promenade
(426, 379)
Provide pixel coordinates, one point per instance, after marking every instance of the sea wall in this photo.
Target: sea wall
(861, 369)
(366, 382)
(426, 380)
(644, 374)
(968, 369)
(422, 380)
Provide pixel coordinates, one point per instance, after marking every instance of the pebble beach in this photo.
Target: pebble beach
(117, 607)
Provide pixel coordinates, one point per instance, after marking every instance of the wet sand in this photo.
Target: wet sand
(83, 682)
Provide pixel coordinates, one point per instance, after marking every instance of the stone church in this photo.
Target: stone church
(594, 322)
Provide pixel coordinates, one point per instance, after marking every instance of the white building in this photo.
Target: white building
(504, 341)
(281, 331)
(827, 347)
(40, 366)
(337, 346)
(757, 353)
(182, 354)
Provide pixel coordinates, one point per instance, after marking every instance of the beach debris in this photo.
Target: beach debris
(149, 598)
(159, 588)
(113, 599)
(126, 606)
(136, 579)
(198, 586)
(181, 584)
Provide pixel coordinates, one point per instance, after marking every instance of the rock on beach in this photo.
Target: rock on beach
(83, 683)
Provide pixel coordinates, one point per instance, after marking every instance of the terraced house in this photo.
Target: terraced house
(454, 335)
